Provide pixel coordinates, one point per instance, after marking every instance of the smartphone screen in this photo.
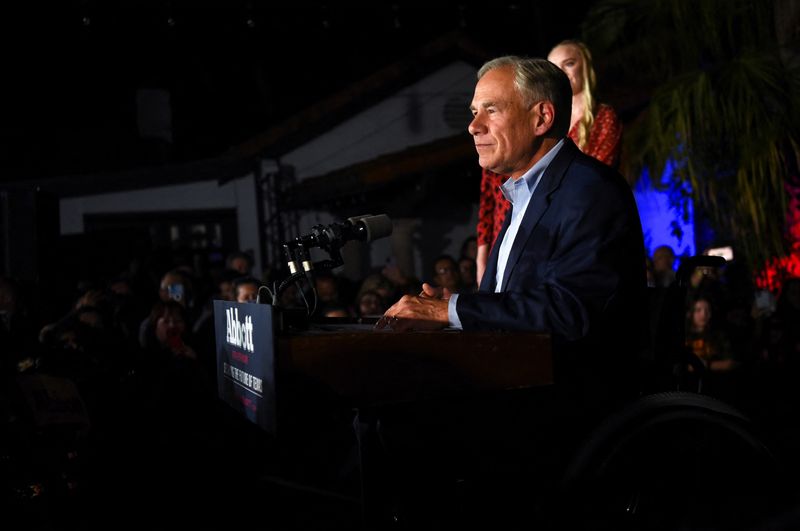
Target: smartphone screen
(175, 292)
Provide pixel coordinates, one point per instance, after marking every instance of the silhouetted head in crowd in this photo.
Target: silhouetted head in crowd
(241, 262)
(370, 303)
(246, 289)
(379, 284)
(168, 325)
(327, 288)
(225, 289)
(664, 265)
(469, 248)
(447, 273)
(468, 270)
(699, 315)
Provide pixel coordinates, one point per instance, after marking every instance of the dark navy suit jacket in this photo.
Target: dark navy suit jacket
(576, 269)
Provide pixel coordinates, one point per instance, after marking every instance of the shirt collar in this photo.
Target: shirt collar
(532, 176)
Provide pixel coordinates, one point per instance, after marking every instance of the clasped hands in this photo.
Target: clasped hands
(426, 311)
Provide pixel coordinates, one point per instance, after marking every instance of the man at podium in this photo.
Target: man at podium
(569, 258)
(569, 261)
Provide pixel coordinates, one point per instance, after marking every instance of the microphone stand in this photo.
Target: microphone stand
(329, 238)
(300, 266)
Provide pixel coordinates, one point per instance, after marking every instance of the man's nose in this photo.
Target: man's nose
(476, 126)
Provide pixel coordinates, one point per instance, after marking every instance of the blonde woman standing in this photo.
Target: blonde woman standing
(594, 128)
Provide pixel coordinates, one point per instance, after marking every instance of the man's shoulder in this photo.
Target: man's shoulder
(575, 159)
(571, 169)
(588, 181)
(589, 167)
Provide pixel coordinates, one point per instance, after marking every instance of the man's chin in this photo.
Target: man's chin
(492, 168)
(486, 164)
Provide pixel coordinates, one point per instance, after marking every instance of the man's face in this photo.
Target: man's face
(502, 125)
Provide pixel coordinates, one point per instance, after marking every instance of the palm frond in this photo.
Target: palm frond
(723, 107)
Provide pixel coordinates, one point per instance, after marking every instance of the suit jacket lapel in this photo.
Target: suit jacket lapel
(489, 280)
(551, 180)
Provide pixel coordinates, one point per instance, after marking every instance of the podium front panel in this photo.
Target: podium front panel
(245, 346)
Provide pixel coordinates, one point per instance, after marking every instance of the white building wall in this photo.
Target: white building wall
(411, 117)
(238, 194)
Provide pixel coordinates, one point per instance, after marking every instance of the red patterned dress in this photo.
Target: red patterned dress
(603, 144)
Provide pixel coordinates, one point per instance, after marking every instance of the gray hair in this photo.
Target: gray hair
(538, 80)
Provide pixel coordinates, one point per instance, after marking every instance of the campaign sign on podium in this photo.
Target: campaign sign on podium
(246, 360)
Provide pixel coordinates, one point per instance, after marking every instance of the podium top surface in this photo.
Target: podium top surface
(367, 367)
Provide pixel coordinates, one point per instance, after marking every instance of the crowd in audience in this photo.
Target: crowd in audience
(139, 355)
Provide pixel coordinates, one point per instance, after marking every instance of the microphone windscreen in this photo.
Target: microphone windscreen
(379, 226)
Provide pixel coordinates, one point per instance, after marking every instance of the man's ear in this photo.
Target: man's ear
(545, 116)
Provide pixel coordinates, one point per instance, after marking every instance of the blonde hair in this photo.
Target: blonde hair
(588, 89)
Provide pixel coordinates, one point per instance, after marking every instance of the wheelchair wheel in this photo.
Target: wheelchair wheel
(671, 461)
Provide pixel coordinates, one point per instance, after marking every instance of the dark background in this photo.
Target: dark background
(231, 68)
(71, 74)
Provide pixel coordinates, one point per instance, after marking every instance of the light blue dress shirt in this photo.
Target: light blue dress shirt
(519, 193)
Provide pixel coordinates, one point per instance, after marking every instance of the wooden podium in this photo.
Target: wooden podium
(374, 371)
(262, 362)
(295, 383)
(367, 368)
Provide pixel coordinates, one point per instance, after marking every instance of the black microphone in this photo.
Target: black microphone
(373, 227)
(330, 238)
(364, 228)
